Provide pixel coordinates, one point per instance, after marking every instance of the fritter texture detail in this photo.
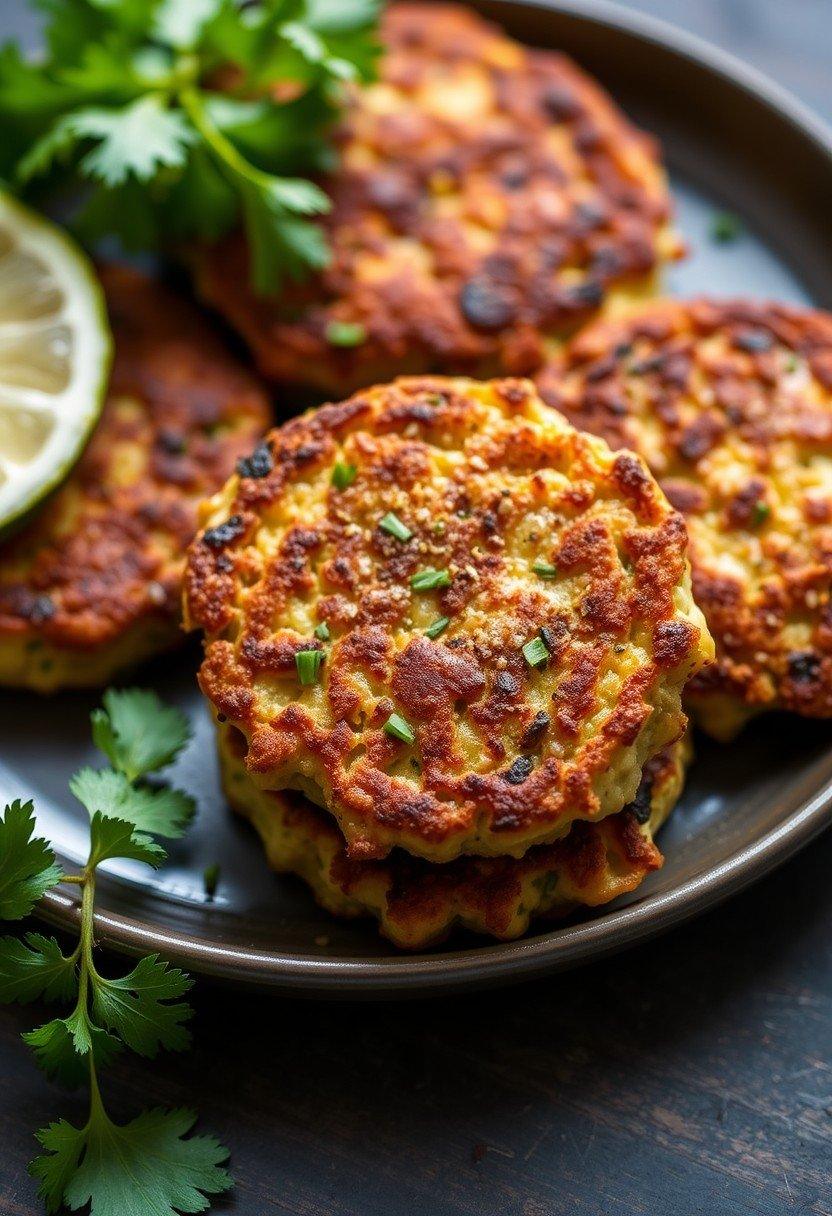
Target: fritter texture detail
(730, 404)
(94, 583)
(543, 695)
(417, 904)
(487, 198)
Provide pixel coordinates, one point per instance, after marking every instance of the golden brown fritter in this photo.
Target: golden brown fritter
(488, 197)
(417, 903)
(94, 582)
(508, 587)
(730, 403)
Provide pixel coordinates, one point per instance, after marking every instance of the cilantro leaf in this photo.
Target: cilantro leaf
(137, 732)
(62, 1047)
(117, 838)
(35, 968)
(136, 1006)
(27, 865)
(146, 1166)
(160, 810)
(179, 23)
(136, 140)
(111, 109)
(64, 1146)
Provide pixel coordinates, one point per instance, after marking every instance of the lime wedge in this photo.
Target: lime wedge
(54, 357)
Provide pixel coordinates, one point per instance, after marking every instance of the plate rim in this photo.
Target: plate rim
(562, 947)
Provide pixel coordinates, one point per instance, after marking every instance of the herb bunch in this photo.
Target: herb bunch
(149, 1165)
(187, 117)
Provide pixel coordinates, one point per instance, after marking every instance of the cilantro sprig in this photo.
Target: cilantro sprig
(150, 1164)
(184, 118)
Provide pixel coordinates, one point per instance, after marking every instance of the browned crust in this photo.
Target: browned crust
(418, 903)
(490, 482)
(487, 195)
(107, 551)
(731, 404)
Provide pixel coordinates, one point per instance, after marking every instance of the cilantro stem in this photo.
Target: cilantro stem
(232, 161)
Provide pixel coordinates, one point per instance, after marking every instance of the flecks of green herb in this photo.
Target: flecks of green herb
(345, 333)
(392, 524)
(545, 569)
(343, 474)
(725, 228)
(438, 626)
(535, 652)
(399, 729)
(308, 664)
(430, 580)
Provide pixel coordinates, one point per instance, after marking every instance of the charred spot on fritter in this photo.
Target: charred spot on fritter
(93, 584)
(487, 198)
(500, 604)
(730, 404)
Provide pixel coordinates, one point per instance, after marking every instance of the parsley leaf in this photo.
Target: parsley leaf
(184, 100)
(160, 810)
(35, 969)
(116, 838)
(62, 1046)
(137, 733)
(136, 1007)
(150, 1165)
(145, 1166)
(27, 865)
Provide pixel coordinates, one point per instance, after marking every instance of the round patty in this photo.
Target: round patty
(93, 584)
(505, 608)
(487, 199)
(417, 903)
(731, 406)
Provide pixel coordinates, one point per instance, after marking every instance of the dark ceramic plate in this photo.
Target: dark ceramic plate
(732, 139)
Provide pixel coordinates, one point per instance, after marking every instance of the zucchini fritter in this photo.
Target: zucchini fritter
(488, 198)
(503, 613)
(417, 904)
(93, 584)
(730, 404)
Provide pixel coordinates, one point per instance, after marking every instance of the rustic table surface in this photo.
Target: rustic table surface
(693, 1075)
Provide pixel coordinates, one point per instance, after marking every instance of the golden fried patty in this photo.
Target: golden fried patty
(731, 406)
(505, 608)
(417, 903)
(487, 197)
(94, 583)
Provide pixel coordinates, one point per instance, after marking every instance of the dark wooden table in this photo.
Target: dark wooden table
(691, 1076)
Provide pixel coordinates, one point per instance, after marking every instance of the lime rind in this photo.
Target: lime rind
(54, 422)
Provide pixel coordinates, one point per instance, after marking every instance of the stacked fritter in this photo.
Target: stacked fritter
(461, 628)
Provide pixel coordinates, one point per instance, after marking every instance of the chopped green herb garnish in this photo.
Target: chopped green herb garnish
(308, 663)
(430, 579)
(725, 228)
(210, 879)
(392, 524)
(345, 333)
(792, 364)
(343, 474)
(438, 626)
(545, 569)
(760, 513)
(399, 729)
(535, 652)
(322, 631)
